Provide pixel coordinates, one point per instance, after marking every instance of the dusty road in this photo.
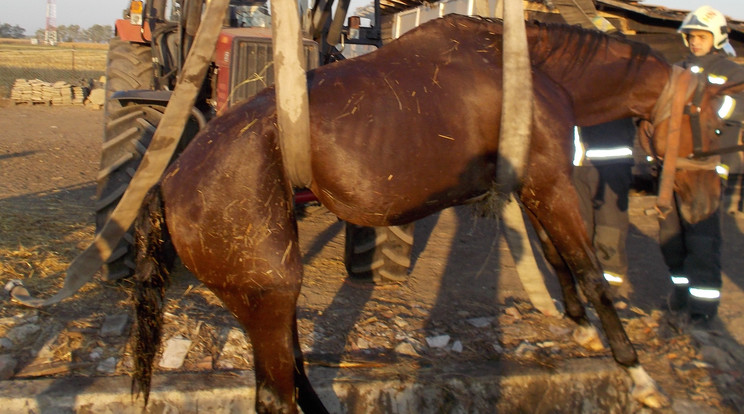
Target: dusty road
(463, 284)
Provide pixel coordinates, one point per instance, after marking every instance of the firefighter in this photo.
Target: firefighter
(692, 251)
(602, 175)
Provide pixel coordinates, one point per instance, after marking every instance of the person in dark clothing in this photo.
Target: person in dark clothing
(602, 177)
(692, 251)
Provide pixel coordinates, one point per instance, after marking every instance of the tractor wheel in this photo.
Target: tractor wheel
(381, 255)
(127, 135)
(128, 67)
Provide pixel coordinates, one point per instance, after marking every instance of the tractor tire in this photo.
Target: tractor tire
(125, 139)
(381, 255)
(128, 67)
(127, 134)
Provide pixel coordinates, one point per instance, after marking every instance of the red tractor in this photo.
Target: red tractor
(145, 59)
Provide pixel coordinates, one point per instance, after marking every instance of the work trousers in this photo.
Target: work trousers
(692, 250)
(603, 198)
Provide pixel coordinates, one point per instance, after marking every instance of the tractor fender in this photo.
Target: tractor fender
(132, 32)
(150, 97)
(143, 96)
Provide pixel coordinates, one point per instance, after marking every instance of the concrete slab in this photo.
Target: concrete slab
(578, 386)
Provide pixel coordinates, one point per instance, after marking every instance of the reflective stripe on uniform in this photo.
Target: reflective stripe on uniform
(613, 279)
(714, 79)
(609, 153)
(680, 281)
(727, 107)
(717, 79)
(597, 154)
(578, 148)
(705, 293)
(723, 171)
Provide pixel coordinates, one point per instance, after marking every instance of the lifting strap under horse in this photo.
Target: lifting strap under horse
(292, 102)
(514, 145)
(517, 100)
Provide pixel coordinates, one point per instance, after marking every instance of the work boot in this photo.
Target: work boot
(703, 302)
(678, 299)
(703, 311)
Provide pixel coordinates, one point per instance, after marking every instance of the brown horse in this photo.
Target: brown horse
(397, 135)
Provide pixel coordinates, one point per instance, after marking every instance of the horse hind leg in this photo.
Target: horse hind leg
(270, 321)
(260, 286)
(306, 396)
(234, 227)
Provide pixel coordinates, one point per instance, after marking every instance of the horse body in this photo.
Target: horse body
(439, 103)
(397, 135)
(442, 102)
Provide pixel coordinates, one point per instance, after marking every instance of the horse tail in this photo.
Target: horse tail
(155, 258)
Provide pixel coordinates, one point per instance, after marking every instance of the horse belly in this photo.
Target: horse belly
(395, 190)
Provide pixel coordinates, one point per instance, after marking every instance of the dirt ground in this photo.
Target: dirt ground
(463, 284)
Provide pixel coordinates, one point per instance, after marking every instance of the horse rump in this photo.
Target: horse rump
(155, 258)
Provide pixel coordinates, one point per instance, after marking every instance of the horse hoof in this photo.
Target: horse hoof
(588, 337)
(645, 390)
(650, 397)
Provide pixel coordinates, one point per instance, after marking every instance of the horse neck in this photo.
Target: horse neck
(606, 78)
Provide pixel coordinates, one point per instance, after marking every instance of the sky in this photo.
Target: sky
(731, 8)
(31, 14)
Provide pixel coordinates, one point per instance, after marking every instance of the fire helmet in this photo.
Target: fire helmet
(708, 19)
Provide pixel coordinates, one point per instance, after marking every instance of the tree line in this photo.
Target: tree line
(11, 32)
(72, 33)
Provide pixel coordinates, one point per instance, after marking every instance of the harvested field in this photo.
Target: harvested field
(53, 57)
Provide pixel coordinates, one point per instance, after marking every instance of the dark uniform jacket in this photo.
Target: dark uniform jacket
(609, 136)
(721, 70)
(692, 251)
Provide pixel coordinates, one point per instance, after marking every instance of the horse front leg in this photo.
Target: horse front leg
(555, 207)
(585, 333)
